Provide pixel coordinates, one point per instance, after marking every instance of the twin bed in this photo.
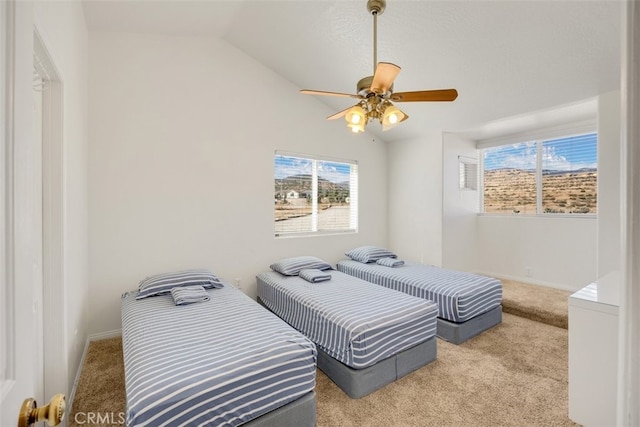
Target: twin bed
(367, 336)
(222, 362)
(468, 304)
(226, 361)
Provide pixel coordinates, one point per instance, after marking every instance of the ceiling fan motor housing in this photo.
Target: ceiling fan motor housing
(364, 88)
(364, 85)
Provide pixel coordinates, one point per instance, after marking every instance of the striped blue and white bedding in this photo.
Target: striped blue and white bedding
(460, 296)
(351, 320)
(222, 362)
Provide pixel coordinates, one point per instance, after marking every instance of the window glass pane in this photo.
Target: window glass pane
(314, 195)
(333, 195)
(510, 179)
(569, 175)
(293, 192)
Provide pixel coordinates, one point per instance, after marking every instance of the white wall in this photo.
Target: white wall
(183, 132)
(460, 207)
(560, 252)
(415, 199)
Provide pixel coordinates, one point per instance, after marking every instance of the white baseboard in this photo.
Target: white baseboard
(528, 280)
(76, 379)
(90, 338)
(105, 335)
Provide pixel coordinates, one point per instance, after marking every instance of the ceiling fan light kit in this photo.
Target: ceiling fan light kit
(356, 118)
(376, 92)
(392, 117)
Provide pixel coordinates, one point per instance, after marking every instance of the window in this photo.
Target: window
(554, 176)
(314, 195)
(468, 173)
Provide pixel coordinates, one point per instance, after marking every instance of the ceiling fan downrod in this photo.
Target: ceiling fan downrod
(375, 7)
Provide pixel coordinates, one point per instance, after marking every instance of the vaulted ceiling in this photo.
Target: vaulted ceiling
(506, 58)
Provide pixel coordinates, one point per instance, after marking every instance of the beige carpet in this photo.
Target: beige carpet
(100, 389)
(512, 375)
(542, 304)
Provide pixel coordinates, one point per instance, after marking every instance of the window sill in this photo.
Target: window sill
(545, 216)
(315, 234)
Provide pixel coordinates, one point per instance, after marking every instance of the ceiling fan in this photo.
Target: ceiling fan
(376, 92)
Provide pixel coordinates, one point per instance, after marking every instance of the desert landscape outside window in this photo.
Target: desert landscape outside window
(314, 195)
(553, 176)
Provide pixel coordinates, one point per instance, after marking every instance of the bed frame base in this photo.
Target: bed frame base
(357, 383)
(300, 412)
(457, 333)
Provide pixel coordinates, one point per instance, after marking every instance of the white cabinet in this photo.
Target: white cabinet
(593, 352)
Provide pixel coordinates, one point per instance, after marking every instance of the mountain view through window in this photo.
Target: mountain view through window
(558, 176)
(314, 195)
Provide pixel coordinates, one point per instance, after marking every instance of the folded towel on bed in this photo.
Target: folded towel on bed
(189, 294)
(390, 262)
(314, 275)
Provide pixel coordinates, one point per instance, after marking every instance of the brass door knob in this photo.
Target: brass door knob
(52, 413)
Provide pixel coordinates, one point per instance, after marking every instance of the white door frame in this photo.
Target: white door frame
(629, 335)
(55, 357)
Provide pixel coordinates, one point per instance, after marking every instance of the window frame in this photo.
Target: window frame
(353, 196)
(539, 137)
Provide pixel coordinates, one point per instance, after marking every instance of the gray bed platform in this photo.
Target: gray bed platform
(299, 413)
(458, 333)
(357, 383)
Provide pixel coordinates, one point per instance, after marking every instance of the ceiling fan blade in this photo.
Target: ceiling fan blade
(384, 76)
(322, 92)
(339, 113)
(425, 95)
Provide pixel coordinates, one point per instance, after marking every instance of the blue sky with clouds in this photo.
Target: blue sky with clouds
(563, 154)
(288, 166)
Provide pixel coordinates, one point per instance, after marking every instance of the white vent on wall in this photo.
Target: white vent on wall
(468, 173)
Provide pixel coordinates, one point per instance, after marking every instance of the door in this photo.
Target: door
(20, 217)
